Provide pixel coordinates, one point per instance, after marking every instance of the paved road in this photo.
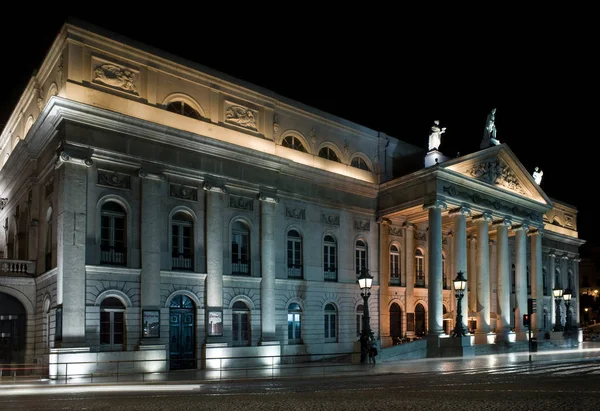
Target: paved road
(556, 382)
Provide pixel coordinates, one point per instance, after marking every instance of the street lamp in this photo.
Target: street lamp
(459, 288)
(557, 292)
(567, 297)
(364, 282)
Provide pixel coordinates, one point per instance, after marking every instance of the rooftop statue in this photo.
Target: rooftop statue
(489, 134)
(537, 175)
(435, 138)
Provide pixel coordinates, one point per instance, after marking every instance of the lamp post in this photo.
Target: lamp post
(364, 282)
(557, 292)
(567, 294)
(460, 283)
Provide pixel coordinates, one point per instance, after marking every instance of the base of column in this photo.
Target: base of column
(457, 346)
(485, 338)
(506, 336)
(386, 341)
(521, 335)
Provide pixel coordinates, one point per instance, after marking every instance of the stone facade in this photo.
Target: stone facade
(138, 185)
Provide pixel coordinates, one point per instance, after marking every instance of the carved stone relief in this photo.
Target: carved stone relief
(496, 173)
(241, 116)
(112, 179)
(397, 231)
(183, 192)
(569, 221)
(362, 225)
(420, 235)
(242, 203)
(330, 219)
(115, 76)
(295, 212)
(3, 202)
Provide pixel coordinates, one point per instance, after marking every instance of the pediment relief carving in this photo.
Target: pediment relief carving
(115, 76)
(497, 173)
(241, 116)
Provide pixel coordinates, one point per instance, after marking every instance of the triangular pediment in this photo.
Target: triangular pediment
(498, 167)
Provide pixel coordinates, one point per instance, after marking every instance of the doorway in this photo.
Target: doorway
(420, 327)
(12, 330)
(395, 323)
(181, 333)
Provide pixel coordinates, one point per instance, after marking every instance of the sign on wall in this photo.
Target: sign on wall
(151, 323)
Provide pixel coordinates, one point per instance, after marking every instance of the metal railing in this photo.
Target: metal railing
(113, 255)
(240, 267)
(182, 262)
(330, 273)
(395, 277)
(218, 369)
(295, 271)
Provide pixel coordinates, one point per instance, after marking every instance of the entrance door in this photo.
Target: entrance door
(420, 327)
(182, 331)
(395, 323)
(12, 330)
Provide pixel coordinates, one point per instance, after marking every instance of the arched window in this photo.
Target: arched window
(294, 143)
(360, 251)
(294, 254)
(329, 154)
(419, 268)
(48, 246)
(329, 258)
(359, 162)
(240, 321)
(112, 324)
(394, 265)
(182, 241)
(112, 234)
(294, 324)
(330, 321)
(183, 109)
(240, 249)
(359, 318)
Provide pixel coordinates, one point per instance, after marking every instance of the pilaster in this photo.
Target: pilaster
(384, 281)
(434, 253)
(268, 207)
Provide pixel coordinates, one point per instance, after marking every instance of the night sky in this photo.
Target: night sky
(392, 73)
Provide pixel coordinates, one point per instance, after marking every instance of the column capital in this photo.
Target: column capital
(460, 211)
(551, 254)
(215, 189)
(504, 222)
(518, 227)
(532, 231)
(450, 233)
(268, 198)
(435, 204)
(486, 217)
(492, 242)
(151, 176)
(383, 220)
(412, 226)
(471, 237)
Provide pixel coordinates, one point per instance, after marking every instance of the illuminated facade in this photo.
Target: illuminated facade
(161, 214)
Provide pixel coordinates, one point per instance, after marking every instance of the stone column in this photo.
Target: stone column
(151, 198)
(551, 257)
(460, 256)
(268, 207)
(503, 289)
(520, 281)
(384, 281)
(214, 249)
(434, 280)
(483, 279)
(71, 216)
(33, 219)
(448, 273)
(576, 291)
(537, 283)
(472, 278)
(409, 238)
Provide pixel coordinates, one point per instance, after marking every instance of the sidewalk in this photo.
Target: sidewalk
(311, 370)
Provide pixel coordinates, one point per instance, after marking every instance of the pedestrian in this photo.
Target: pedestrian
(373, 350)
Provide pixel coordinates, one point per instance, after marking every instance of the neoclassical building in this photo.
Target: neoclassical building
(164, 215)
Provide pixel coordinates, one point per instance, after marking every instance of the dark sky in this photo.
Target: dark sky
(391, 72)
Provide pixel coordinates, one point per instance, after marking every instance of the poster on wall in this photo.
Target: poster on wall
(151, 323)
(215, 322)
(410, 321)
